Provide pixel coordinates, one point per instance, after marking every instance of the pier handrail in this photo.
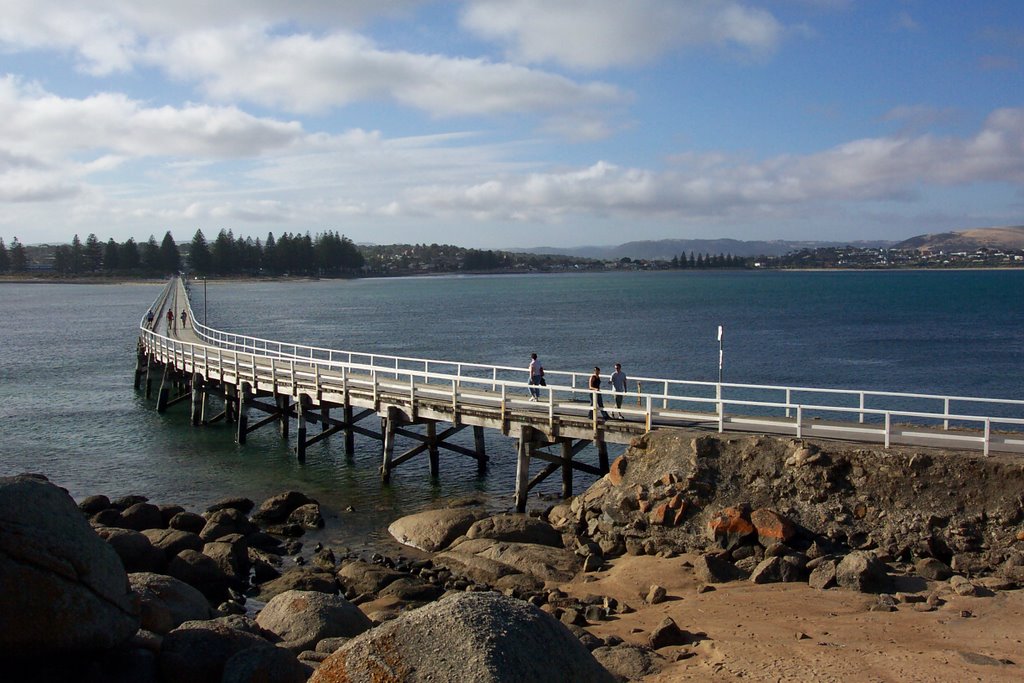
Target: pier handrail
(663, 404)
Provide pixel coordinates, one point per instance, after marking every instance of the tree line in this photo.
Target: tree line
(682, 261)
(326, 254)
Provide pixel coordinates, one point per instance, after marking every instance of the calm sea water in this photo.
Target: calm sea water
(68, 410)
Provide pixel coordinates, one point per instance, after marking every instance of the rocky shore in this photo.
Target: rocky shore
(656, 572)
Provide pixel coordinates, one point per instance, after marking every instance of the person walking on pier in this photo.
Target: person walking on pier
(149, 318)
(618, 382)
(184, 319)
(536, 377)
(595, 386)
(170, 319)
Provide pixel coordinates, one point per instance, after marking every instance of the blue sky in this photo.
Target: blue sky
(510, 123)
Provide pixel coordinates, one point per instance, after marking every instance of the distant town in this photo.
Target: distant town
(330, 254)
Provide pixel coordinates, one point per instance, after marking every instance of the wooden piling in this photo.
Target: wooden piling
(283, 404)
(198, 399)
(350, 438)
(523, 454)
(388, 425)
(478, 446)
(165, 389)
(244, 400)
(566, 468)
(432, 451)
(300, 436)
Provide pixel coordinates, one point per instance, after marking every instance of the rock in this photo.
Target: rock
(136, 552)
(167, 512)
(197, 651)
(328, 645)
(63, 587)
(668, 633)
(731, 528)
(434, 530)
(772, 527)
(303, 618)
(90, 505)
(544, 562)
(187, 521)
(480, 637)
(224, 522)
(166, 602)
(589, 640)
(823, 575)
(277, 508)
(933, 569)
(776, 569)
(655, 595)
(267, 664)
(142, 516)
(474, 567)
(516, 528)
(201, 572)
(627, 662)
(109, 517)
(232, 556)
(173, 541)
(861, 571)
(410, 589)
(962, 586)
(300, 578)
(363, 577)
(307, 516)
(243, 505)
(711, 569)
(617, 470)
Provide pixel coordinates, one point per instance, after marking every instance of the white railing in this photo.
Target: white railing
(768, 408)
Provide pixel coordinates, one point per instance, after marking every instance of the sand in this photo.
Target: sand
(792, 632)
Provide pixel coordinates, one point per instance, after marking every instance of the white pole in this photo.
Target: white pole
(720, 356)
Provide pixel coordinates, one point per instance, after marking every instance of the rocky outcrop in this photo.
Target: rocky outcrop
(750, 498)
(166, 602)
(483, 637)
(65, 589)
(434, 530)
(515, 528)
(304, 618)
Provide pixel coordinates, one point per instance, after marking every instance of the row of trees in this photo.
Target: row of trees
(13, 260)
(683, 261)
(94, 256)
(328, 254)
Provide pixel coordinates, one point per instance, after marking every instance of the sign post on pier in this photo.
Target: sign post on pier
(719, 393)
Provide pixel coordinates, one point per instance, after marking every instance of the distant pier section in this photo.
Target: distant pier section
(251, 383)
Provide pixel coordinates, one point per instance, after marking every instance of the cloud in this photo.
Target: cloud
(868, 169)
(40, 125)
(596, 34)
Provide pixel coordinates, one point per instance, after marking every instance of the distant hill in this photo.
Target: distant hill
(665, 249)
(1010, 237)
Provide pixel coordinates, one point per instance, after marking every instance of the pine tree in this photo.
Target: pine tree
(150, 255)
(170, 257)
(128, 257)
(199, 259)
(19, 260)
(111, 256)
(5, 259)
(77, 262)
(93, 253)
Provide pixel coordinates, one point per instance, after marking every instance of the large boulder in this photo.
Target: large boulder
(197, 651)
(480, 637)
(134, 548)
(544, 562)
(265, 665)
(862, 571)
(63, 587)
(224, 522)
(277, 508)
(173, 541)
(200, 571)
(142, 516)
(304, 618)
(300, 578)
(475, 567)
(363, 577)
(434, 530)
(516, 528)
(167, 602)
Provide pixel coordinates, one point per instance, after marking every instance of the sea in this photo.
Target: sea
(67, 355)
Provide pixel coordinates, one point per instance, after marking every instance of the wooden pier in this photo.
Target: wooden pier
(259, 383)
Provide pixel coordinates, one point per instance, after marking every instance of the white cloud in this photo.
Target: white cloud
(867, 169)
(593, 34)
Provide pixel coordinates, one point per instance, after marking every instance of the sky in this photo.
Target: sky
(510, 123)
